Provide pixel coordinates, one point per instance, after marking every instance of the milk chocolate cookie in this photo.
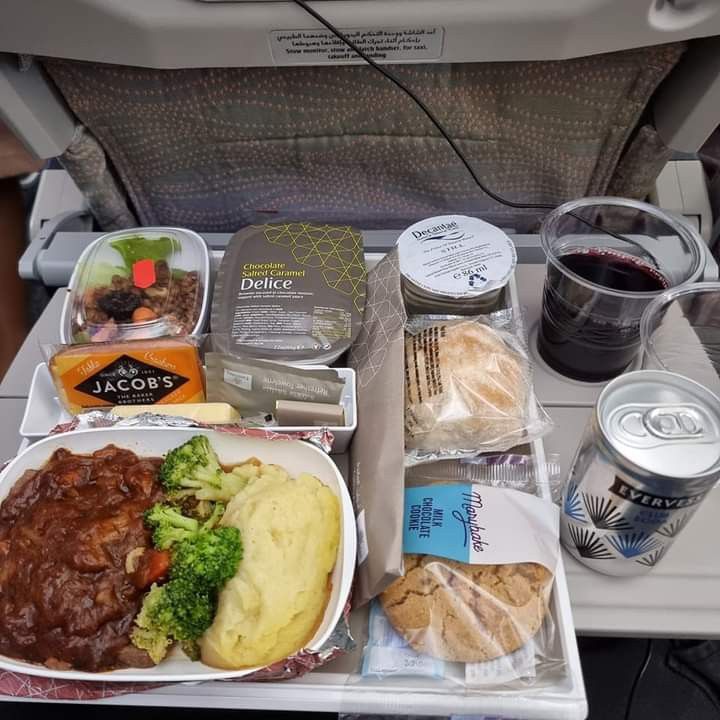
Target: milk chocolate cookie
(467, 613)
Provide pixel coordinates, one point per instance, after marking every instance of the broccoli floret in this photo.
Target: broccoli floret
(169, 525)
(191, 467)
(177, 611)
(199, 509)
(190, 506)
(193, 609)
(208, 559)
(151, 631)
(215, 516)
(191, 648)
(194, 469)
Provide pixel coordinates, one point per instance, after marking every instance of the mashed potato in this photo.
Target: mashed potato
(272, 607)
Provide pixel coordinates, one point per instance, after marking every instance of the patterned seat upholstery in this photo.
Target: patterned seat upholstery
(216, 149)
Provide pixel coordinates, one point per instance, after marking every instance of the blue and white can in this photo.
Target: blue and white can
(649, 456)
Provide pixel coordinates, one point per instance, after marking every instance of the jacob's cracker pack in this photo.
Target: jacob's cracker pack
(143, 372)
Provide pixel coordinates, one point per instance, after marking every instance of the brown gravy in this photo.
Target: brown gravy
(65, 530)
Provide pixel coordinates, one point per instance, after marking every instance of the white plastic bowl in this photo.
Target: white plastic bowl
(293, 455)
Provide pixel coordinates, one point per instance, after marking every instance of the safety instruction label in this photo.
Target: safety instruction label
(313, 47)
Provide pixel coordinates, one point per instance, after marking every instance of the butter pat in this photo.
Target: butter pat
(213, 413)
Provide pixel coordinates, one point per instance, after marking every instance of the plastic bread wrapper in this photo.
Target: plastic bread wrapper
(490, 625)
(509, 470)
(321, 438)
(468, 387)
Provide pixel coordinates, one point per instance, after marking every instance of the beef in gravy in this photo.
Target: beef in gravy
(65, 530)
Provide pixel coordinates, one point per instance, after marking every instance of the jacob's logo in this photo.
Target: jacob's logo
(127, 370)
(128, 381)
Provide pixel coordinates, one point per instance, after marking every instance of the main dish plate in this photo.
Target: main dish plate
(293, 455)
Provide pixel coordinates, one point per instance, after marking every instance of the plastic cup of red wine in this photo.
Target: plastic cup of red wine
(607, 259)
(680, 333)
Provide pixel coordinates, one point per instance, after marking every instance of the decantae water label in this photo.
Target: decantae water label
(477, 524)
(456, 256)
(302, 47)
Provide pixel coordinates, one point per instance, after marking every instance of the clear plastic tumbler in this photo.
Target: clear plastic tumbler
(607, 259)
(680, 332)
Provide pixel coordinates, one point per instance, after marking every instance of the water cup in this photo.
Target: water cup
(607, 259)
(680, 332)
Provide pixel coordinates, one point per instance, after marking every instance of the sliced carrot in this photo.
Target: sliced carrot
(152, 567)
(143, 314)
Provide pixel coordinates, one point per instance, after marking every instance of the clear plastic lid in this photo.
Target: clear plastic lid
(138, 284)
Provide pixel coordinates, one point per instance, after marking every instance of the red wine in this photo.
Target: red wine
(584, 333)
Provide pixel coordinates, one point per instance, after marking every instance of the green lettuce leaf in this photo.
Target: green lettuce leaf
(137, 247)
(102, 273)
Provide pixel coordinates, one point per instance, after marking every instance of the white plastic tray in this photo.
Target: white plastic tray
(338, 688)
(44, 410)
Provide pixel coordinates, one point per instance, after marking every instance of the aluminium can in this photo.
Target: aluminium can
(650, 454)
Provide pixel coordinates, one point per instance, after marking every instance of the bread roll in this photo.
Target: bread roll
(465, 389)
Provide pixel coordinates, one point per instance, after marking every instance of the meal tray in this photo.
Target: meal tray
(338, 687)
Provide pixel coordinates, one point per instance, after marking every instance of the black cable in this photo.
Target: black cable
(441, 129)
(638, 678)
(421, 104)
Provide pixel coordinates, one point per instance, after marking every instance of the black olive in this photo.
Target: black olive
(119, 304)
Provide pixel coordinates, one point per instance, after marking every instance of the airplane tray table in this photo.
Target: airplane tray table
(678, 599)
(681, 596)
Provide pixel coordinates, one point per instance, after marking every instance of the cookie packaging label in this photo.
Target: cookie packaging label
(506, 668)
(388, 653)
(476, 524)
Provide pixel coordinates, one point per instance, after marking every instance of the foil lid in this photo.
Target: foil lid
(322, 438)
(290, 292)
(455, 257)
